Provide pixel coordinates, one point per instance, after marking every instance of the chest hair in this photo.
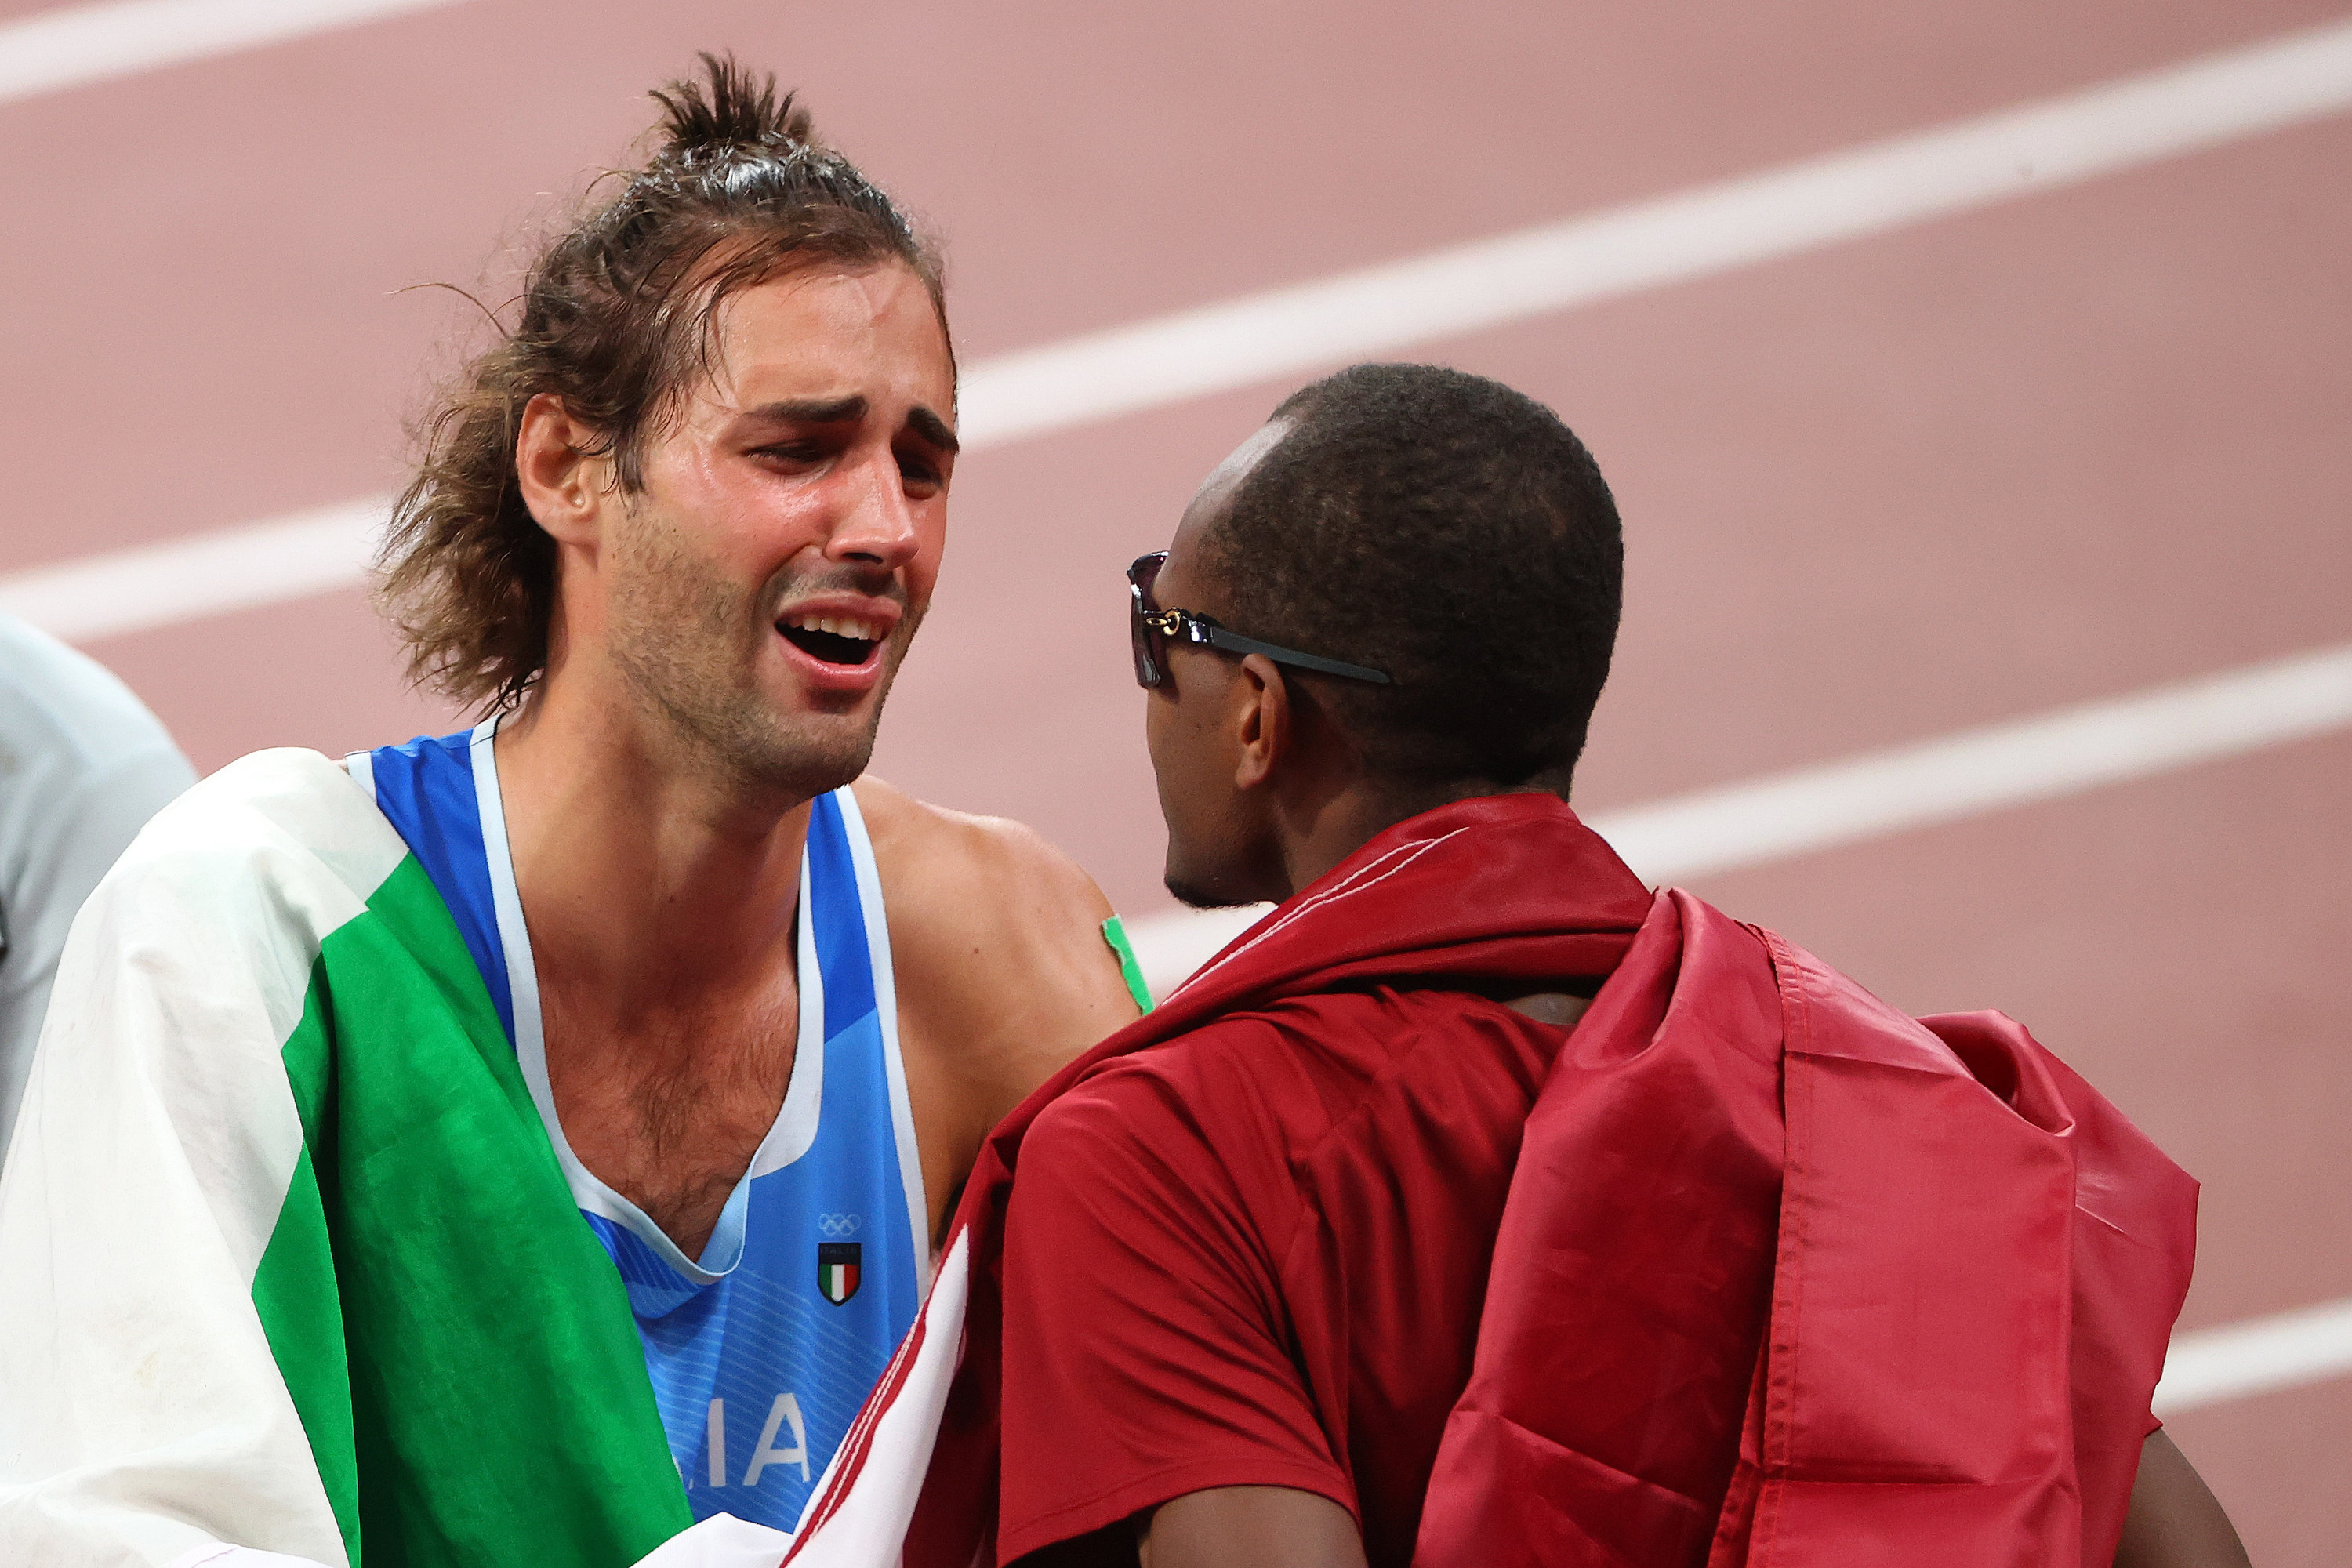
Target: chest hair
(669, 1109)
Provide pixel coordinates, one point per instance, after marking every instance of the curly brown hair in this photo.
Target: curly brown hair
(616, 316)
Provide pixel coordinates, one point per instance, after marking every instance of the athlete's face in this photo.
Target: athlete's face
(761, 590)
(1196, 722)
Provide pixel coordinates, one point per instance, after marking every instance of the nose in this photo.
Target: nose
(879, 526)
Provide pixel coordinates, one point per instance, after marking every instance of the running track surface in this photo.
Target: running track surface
(2056, 449)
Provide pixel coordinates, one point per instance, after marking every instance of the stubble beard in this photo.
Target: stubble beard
(1204, 896)
(689, 645)
(1207, 883)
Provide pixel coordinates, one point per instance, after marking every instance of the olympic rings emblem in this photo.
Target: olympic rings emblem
(836, 1224)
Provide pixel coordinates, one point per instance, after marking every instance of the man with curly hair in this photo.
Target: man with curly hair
(511, 1147)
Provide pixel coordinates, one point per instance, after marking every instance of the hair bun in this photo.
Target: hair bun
(734, 108)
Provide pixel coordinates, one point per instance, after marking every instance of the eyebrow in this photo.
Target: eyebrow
(934, 430)
(814, 410)
(847, 410)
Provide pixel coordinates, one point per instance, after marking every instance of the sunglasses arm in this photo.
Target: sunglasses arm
(1233, 642)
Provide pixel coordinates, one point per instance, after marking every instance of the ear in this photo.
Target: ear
(564, 486)
(1263, 718)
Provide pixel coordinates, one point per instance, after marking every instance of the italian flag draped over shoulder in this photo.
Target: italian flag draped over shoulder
(286, 1260)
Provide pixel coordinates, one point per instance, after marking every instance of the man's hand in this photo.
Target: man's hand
(2174, 1521)
(1251, 1527)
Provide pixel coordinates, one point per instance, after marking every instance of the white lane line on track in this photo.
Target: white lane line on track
(2063, 753)
(2236, 1361)
(74, 46)
(1537, 271)
(200, 574)
(1777, 212)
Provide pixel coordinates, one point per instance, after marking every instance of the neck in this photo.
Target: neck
(1312, 836)
(1315, 833)
(643, 879)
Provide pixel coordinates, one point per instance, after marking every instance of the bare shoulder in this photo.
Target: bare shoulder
(1003, 973)
(986, 866)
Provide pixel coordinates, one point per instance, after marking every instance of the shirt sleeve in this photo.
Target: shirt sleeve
(64, 818)
(1147, 1349)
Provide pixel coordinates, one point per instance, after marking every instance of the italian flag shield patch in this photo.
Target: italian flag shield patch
(837, 1269)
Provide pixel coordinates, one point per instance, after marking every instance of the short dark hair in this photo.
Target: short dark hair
(617, 315)
(1453, 532)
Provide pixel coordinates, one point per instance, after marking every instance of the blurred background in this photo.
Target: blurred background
(1976, 383)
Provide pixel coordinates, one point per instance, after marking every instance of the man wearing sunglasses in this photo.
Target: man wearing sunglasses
(1478, 1206)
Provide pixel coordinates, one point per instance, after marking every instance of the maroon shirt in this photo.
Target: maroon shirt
(1255, 1255)
(1244, 1240)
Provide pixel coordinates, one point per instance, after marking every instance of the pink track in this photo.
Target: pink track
(2061, 448)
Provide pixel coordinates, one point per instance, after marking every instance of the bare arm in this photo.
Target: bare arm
(1002, 972)
(1251, 1527)
(2174, 1521)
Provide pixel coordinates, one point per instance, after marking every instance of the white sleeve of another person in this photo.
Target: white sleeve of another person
(83, 765)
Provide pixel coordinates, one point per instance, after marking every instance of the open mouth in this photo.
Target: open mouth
(832, 640)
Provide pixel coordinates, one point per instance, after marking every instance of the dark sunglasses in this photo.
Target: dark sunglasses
(1149, 627)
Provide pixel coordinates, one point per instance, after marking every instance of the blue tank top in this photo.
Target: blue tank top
(763, 1349)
